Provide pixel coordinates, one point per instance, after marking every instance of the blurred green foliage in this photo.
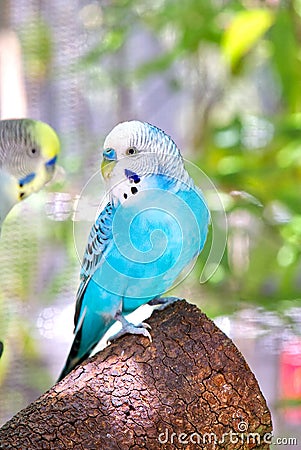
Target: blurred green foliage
(37, 48)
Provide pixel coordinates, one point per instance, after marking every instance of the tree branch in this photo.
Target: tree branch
(190, 388)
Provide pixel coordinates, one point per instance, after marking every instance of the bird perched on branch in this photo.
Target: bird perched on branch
(153, 227)
(28, 153)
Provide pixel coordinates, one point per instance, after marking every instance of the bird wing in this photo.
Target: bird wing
(98, 241)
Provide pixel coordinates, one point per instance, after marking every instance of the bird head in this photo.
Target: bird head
(30, 149)
(140, 148)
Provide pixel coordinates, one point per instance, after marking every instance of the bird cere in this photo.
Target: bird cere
(28, 153)
(154, 225)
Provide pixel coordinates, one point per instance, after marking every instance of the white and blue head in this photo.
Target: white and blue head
(143, 149)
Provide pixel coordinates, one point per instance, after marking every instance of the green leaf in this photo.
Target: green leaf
(112, 42)
(284, 37)
(246, 28)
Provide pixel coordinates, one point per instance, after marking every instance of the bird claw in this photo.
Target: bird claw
(127, 327)
(162, 302)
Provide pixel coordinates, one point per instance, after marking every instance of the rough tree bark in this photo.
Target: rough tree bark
(190, 388)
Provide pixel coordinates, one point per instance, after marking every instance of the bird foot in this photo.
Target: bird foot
(127, 327)
(162, 302)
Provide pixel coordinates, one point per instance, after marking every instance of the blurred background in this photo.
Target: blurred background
(223, 78)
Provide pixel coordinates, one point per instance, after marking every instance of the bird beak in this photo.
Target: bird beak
(108, 163)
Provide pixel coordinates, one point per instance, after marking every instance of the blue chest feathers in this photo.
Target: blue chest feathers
(156, 234)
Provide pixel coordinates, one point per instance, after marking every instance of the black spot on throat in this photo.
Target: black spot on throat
(134, 190)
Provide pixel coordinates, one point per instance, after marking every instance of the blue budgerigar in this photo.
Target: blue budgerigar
(153, 227)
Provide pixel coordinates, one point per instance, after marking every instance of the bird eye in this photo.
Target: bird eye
(33, 152)
(131, 151)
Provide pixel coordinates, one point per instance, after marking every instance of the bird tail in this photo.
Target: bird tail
(90, 329)
(73, 358)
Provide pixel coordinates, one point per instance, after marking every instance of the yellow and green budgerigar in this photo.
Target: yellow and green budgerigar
(28, 153)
